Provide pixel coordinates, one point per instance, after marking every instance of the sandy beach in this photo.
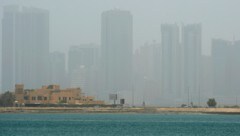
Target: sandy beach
(118, 110)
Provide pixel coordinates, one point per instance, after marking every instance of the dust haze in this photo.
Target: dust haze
(157, 52)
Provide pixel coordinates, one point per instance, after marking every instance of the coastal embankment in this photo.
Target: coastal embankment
(118, 110)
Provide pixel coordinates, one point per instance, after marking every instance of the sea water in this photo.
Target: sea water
(119, 125)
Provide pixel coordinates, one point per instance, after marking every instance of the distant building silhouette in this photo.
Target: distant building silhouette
(148, 61)
(58, 69)
(170, 62)
(83, 64)
(180, 63)
(117, 49)
(79, 77)
(221, 66)
(206, 83)
(25, 47)
(192, 43)
(226, 69)
(147, 73)
(235, 69)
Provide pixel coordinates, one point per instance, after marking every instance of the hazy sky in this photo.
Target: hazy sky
(74, 22)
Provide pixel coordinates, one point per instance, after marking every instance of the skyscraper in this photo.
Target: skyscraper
(192, 42)
(25, 47)
(235, 68)
(226, 69)
(148, 61)
(221, 66)
(170, 61)
(147, 76)
(83, 62)
(117, 50)
(58, 69)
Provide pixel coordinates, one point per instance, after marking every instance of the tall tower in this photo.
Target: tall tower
(58, 70)
(117, 50)
(25, 47)
(8, 47)
(192, 42)
(226, 69)
(170, 61)
(221, 51)
(235, 68)
(83, 67)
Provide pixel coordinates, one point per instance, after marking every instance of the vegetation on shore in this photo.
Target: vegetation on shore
(7, 99)
(212, 103)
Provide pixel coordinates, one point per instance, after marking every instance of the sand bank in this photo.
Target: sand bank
(118, 110)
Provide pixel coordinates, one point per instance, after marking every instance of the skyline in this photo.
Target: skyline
(117, 52)
(25, 44)
(174, 72)
(119, 67)
(84, 26)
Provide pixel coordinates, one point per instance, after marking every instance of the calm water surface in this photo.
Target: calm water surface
(118, 125)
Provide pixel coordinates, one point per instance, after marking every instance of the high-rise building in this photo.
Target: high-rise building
(170, 62)
(147, 61)
(206, 83)
(25, 47)
(58, 69)
(80, 78)
(235, 68)
(147, 73)
(226, 70)
(192, 42)
(117, 50)
(221, 66)
(84, 54)
(83, 64)
(8, 46)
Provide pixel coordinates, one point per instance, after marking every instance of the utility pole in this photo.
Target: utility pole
(236, 100)
(199, 97)
(188, 96)
(145, 87)
(133, 94)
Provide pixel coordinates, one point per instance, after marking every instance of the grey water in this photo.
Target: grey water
(119, 125)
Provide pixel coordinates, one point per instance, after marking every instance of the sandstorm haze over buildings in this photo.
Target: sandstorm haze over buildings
(79, 21)
(159, 52)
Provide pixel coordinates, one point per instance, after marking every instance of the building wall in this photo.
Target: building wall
(221, 66)
(8, 45)
(147, 74)
(58, 69)
(226, 70)
(117, 50)
(52, 94)
(19, 93)
(83, 67)
(25, 51)
(192, 42)
(170, 59)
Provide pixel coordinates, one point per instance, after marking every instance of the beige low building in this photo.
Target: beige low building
(52, 94)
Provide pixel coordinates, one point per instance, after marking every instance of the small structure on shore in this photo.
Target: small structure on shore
(52, 94)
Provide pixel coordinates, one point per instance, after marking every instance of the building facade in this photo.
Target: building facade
(25, 47)
(117, 50)
(58, 69)
(226, 70)
(170, 62)
(147, 73)
(192, 43)
(180, 63)
(83, 67)
(52, 94)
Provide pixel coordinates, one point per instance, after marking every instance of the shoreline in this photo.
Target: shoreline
(137, 110)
